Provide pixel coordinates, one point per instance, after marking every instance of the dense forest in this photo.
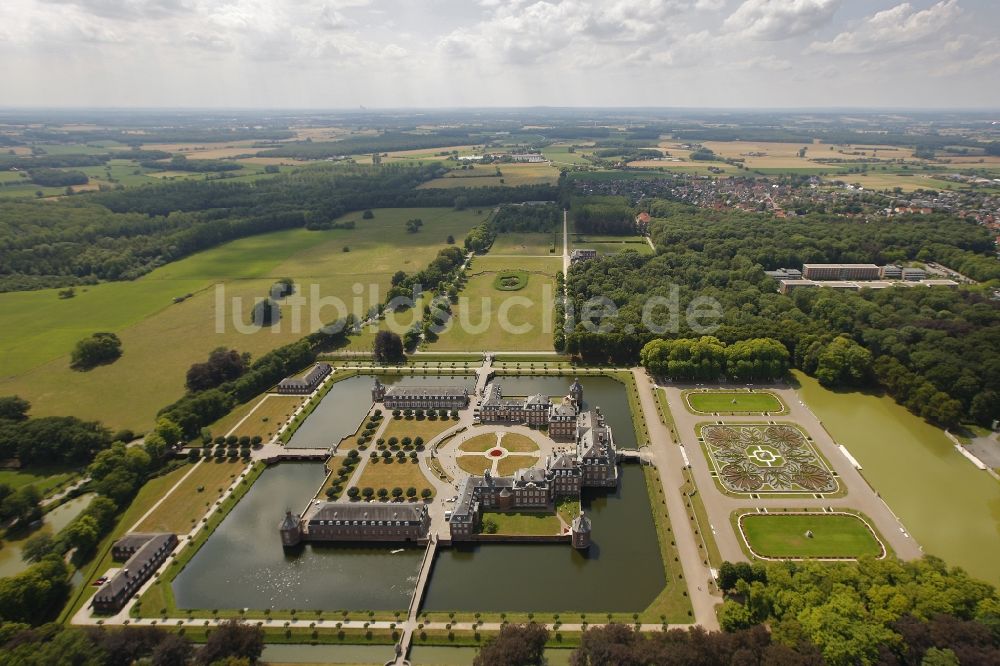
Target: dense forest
(932, 348)
(123, 234)
(610, 215)
(529, 218)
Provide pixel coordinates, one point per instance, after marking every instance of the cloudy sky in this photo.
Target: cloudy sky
(441, 53)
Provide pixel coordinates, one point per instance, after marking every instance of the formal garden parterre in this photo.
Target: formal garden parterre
(765, 458)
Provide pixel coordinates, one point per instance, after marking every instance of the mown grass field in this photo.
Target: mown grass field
(479, 443)
(512, 463)
(45, 479)
(733, 401)
(162, 339)
(609, 244)
(524, 523)
(784, 536)
(265, 419)
(477, 318)
(413, 428)
(184, 507)
(528, 244)
(394, 475)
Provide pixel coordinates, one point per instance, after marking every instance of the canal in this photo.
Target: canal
(949, 506)
(243, 565)
(341, 411)
(621, 572)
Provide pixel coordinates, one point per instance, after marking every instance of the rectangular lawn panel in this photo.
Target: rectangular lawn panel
(184, 507)
(393, 475)
(785, 536)
(733, 402)
(490, 318)
(413, 428)
(524, 523)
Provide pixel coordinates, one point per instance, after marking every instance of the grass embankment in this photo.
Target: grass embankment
(261, 416)
(666, 417)
(698, 516)
(634, 406)
(147, 496)
(193, 497)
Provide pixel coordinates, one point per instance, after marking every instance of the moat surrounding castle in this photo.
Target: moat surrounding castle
(590, 461)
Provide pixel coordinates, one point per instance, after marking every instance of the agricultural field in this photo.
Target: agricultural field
(559, 155)
(528, 244)
(529, 310)
(733, 402)
(512, 175)
(192, 498)
(393, 475)
(161, 338)
(808, 535)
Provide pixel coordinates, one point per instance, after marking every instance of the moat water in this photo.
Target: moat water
(604, 392)
(621, 572)
(342, 409)
(243, 565)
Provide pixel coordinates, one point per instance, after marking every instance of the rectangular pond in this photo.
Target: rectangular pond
(604, 392)
(342, 409)
(949, 506)
(243, 565)
(621, 572)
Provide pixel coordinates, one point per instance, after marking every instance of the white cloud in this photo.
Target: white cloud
(780, 19)
(892, 28)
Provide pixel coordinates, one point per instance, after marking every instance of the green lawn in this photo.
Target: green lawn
(45, 479)
(488, 318)
(609, 244)
(524, 523)
(833, 535)
(731, 402)
(162, 339)
(528, 243)
(148, 495)
(184, 507)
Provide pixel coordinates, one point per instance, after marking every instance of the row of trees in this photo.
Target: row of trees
(708, 358)
(232, 642)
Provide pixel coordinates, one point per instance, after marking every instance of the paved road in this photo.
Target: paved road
(860, 496)
(565, 244)
(669, 463)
